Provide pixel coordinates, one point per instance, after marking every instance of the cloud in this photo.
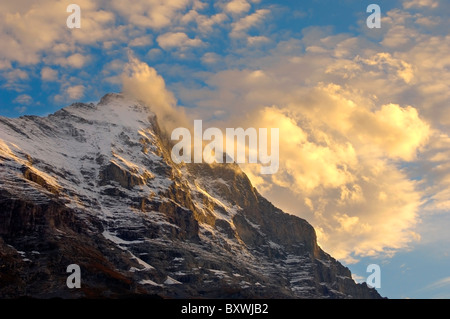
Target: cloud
(76, 61)
(434, 169)
(336, 157)
(112, 71)
(143, 83)
(5, 65)
(258, 40)
(407, 4)
(210, 58)
(360, 203)
(348, 127)
(177, 40)
(16, 75)
(21, 109)
(24, 34)
(240, 27)
(205, 23)
(237, 6)
(382, 60)
(359, 279)
(154, 14)
(15, 79)
(70, 92)
(23, 99)
(30, 31)
(398, 36)
(75, 92)
(441, 283)
(48, 74)
(402, 131)
(145, 40)
(98, 26)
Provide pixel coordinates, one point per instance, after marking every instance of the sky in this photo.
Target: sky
(364, 114)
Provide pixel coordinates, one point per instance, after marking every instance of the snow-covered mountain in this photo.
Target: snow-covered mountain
(94, 185)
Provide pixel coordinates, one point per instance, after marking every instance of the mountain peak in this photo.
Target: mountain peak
(109, 97)
(94, 185)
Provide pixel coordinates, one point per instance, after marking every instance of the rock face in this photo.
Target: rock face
(94, 185)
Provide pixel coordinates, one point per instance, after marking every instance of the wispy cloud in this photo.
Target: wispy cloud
(23, 99)
(144, 83)
(441, 283)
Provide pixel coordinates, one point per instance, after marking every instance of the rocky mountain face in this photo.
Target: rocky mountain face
(94, 185)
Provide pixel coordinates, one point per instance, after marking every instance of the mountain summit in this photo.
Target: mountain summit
(95, 186)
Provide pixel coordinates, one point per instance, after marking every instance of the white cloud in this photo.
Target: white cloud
(16, 75)
(20, 109)
(15, 79)
(70, 92)
(75, 92)
(407, 4)
(359, 279)
(154, 14)
(30, 30)
(145, 40)
(48, 74)
(237, 6)
(258, 40)
(382, 60)
(177, 40)
(398, 37)
(210, 58)
(23, 99)
(240, 27)
(441, 283)
(143, 83)
(4, 64)
(24, 34)
(76, 61)
(205, 23)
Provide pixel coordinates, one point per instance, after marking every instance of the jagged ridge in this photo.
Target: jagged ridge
(94, 185)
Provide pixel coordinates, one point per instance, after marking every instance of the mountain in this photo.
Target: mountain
(94, 185)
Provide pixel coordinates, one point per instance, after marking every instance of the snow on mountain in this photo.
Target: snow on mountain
(94, 185)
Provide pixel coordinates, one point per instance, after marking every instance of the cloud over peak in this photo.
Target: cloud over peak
(143, 83)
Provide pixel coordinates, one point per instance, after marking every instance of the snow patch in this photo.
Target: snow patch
(219, 273)
(171, 281)
(274, 245)
(141, 262)
(149, 282)
(119, 241)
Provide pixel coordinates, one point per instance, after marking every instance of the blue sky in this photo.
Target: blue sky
(363, 113)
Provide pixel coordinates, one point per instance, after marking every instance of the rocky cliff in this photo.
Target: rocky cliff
(94, 185)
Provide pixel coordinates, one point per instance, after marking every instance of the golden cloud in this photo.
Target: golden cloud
(143, 83)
